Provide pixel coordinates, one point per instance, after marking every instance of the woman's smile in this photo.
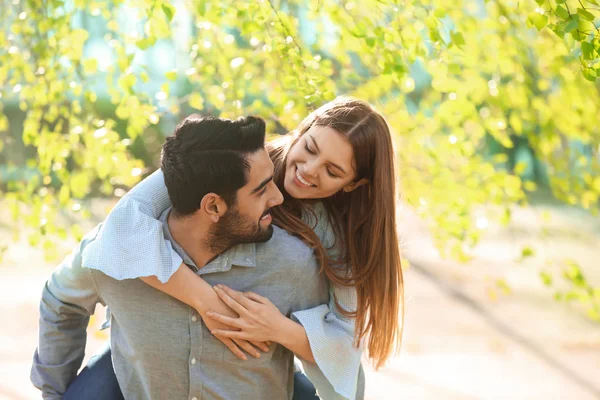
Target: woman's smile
(301, 181)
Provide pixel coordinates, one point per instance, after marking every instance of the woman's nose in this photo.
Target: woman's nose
(310, 169)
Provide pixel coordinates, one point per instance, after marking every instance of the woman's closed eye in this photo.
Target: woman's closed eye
(309, 150)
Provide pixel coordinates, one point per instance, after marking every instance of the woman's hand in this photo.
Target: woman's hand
(234, 345)
(259, 320)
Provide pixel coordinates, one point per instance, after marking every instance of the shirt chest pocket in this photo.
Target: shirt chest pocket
(214, 350)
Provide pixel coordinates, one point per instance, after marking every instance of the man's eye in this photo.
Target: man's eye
(263, 191)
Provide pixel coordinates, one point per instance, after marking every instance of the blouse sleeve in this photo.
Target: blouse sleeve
(338, 373)
(131, 243)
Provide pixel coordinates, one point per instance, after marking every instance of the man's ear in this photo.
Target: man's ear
(351, 186)
(213, 206)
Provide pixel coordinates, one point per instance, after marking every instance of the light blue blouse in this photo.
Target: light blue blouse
(131, 244)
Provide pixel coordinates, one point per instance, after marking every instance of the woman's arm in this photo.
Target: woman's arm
(131, 243)
(189, 288)
(260, 320)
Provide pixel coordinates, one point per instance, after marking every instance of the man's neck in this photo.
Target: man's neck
(192, 237)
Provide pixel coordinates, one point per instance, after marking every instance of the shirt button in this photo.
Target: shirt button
(194, 319)
(193, 361)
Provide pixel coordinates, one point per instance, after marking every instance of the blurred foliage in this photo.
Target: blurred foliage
(572, 286)
(488, 99)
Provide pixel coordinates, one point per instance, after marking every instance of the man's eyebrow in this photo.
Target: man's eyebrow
(332, 164)
(262, 185)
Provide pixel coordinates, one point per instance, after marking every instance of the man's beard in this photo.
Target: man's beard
(234, 228)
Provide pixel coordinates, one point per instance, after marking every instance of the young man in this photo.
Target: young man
(219, 178)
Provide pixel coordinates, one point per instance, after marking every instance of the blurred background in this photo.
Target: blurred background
(495, 110)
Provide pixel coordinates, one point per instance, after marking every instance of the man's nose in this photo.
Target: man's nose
(277, 197)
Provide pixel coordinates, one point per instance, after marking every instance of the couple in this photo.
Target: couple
(237, 298)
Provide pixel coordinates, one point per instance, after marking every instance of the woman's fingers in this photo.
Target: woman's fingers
(237, 296)
(247, 347)
(256, 297)
(261, 345)
(232, 347)
(231, 334)
(230, 301)
(224, 319)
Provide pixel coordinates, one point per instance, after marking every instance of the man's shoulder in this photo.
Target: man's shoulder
(284, 245)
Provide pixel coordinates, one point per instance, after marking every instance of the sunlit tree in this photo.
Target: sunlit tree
(488, 99)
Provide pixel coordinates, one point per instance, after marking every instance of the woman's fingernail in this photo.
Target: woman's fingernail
(245, 358)
(217, 288)
(210, 314)
(257, 355)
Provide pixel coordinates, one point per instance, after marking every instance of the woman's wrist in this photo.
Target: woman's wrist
(292, 336)
(286, 332)
(203, 299)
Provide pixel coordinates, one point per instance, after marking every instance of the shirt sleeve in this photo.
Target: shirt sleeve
(131, 243)
(338, 372)
(68, 300)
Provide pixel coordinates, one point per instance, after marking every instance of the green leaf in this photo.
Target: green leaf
(527, 252)
(562, 12)
(589, 74)
(571, 25)
(454, 68)
(558, 296)
(457, 39)
(171, 75)
(145, 43)
(503, 286)
(90, 66)
(593, 314)
(520, 167)
(546, 278)
(585, 14)
(196, 101)
(538, 20)
(169, 11)
(587, 50)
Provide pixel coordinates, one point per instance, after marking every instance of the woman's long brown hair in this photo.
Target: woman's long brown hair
(364, 222)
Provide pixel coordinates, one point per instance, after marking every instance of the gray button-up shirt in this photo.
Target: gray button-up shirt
(161, 349)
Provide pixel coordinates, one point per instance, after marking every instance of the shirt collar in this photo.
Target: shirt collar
(241, 255)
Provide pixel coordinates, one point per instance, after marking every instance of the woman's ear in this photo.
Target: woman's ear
(351, 186)
(213, 206)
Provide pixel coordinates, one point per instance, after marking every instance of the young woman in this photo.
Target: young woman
(336, 172)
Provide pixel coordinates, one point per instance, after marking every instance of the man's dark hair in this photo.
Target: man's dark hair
(209, 155)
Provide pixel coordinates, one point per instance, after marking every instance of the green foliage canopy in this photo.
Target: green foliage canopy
(472, 90)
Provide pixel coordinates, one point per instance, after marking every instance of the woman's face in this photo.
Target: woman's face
(320, 164)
